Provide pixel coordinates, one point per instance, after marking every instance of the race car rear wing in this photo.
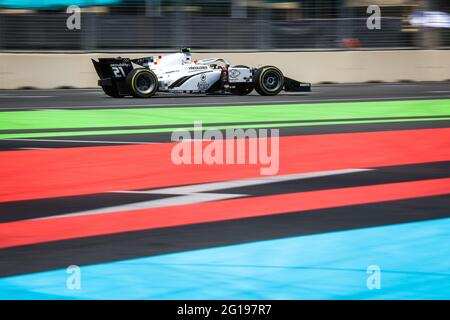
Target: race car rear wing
(113, 72)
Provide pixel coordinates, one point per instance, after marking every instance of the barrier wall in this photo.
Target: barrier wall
(19, 70)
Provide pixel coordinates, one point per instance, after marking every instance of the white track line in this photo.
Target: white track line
(32, 148)
(82, 141)
(2, 95)
(194, 193)
(213, 186)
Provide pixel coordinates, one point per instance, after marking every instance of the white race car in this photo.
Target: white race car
(178, 73)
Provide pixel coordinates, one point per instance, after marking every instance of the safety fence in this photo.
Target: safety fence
(211, 25)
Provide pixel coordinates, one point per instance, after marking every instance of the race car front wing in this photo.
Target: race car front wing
(296, 86)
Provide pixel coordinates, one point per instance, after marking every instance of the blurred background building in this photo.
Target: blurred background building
(136, 25)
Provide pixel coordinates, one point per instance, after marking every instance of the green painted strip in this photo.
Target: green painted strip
(263, 125)
(95, 118)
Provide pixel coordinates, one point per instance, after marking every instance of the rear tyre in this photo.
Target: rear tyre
(242, 89)
(142, 83)
(111, 91)
(268, 81)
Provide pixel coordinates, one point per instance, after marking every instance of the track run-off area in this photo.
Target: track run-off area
(362, 184)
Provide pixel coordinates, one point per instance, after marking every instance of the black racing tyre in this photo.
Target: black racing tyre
(242, 89)
(142, 83)
(268, 81)
(111, 91)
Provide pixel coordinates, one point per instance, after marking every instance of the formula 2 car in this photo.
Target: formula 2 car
(178, 73)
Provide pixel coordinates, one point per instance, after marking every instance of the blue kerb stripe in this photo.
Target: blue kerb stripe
(414, 259)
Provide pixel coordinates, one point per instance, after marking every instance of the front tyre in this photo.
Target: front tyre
(142, 83)
(269, 81)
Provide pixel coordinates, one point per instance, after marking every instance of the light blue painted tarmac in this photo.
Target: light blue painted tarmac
(414, 259)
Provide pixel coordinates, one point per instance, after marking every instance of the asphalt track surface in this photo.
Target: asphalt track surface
(363, 178)
(94, 98)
